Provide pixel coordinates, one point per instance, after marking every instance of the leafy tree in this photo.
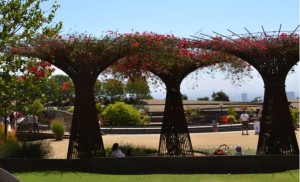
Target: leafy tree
(22, 90)
(219, 96)
(121, 114)
(113, 89)
(35, 108)
(58, 90)
(231, 110)
(19, 20)
(50, 89)
(203, 98)
(65, 90)
(138, 89)
(257, 99)
(99, 108)
(99, 93)
(26, 91)
(191, 113)
(184, 97)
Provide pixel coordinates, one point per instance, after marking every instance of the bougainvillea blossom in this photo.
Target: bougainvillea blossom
(36, 70)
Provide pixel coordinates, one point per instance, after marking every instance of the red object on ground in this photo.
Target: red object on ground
(224, 119)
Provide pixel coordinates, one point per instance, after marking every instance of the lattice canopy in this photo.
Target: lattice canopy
(83, 58)
(273, 54)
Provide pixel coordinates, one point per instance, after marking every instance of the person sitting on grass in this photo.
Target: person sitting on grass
(116, 152)
(238, 150)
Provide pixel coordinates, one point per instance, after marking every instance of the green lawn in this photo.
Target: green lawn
(288, 176)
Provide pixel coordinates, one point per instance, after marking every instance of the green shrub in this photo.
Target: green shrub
(99, 107)
(70, 109)
(190, 114)
(131, 150)
(35, 108)
(231, 119)
(1, 132)
(58, 130)
(231, 110)
(145, 118)
(294, 114)
(121, 114)
(17, 149)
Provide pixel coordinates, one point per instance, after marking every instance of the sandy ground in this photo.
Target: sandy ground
(199, 140)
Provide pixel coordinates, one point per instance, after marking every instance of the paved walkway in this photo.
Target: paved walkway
(199, 140)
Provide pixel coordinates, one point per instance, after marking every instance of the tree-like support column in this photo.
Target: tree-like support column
(174, 138)
(277, 135)
(85, 135)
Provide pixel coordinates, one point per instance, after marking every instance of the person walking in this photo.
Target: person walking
(35, 124)
(245, 119)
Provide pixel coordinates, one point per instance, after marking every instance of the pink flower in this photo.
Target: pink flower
(136, 44)
(64, 88)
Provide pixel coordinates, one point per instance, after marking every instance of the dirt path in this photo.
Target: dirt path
(199, 140)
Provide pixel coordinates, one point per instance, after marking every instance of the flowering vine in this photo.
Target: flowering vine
(169, 54)
(255, 47)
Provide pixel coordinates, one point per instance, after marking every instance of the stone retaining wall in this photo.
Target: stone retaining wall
(148, 165)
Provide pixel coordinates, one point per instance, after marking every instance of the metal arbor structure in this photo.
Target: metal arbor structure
(273, 54)
(82, 58)
(172, 68)
(174, 137)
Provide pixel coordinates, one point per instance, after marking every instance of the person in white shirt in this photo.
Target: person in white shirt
(238, 150)
(116, 152)
(244, 117)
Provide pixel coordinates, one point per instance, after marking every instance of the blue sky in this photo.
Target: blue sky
(184, 18)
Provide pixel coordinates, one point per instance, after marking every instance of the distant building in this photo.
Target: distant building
(244, 97)
(290, 95)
